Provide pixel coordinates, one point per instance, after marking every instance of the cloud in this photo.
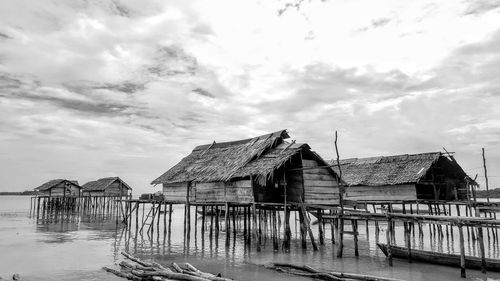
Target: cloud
(203, 92)
(480, 7)
(377, 23)
(103, 88)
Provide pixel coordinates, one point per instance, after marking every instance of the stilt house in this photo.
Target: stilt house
(261, 169)
(60, 187)
(112, 186)
(433, 176)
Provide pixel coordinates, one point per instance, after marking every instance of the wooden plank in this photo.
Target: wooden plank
(318, 171)
(318, 176)
(320, 183)
(309, 163)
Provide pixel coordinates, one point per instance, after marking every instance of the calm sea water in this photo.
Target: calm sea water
(78, 249)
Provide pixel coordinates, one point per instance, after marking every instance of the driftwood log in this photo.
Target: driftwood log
(307, 271)
(142, 270)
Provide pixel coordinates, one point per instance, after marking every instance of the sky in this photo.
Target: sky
(95, 88)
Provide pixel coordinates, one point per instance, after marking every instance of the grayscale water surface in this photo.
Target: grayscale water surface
(78, 249)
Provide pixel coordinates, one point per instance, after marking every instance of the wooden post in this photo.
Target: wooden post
(308, 225)
(408, 241)
(462, 251)
(211, 222)
(302, 231)
(355, 233)
(288, 233)
(233, 215)
(158, 219)
(188, 211)
(320, 227)
(136, 217)
(203, 214)
(255, 233)
(164, 219)
(481, 249)
(227, 222)
(341, 195)
(332, 227)
(249, 236)
(486, 178)
(388, 238)
(217, 214)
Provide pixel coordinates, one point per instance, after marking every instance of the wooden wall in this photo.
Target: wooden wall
(176, 191)
(114, 189)
(235, 191)
(58, 190)
(387, 192)
(320, 186)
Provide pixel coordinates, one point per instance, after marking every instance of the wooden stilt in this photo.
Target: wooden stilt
(388, 238)
(320, 227)
(255, 232)
(462, 252)
(227, 222)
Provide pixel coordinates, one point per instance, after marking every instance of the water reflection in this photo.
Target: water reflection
(75, 247)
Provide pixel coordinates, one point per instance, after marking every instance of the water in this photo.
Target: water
(78, 250)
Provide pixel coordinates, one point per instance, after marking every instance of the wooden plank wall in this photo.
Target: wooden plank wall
(58, 190)
(387, 192)
(175, 191)
(237, 191)
(114, 189)
(320, 186)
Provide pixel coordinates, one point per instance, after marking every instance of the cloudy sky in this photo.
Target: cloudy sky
(96, 88)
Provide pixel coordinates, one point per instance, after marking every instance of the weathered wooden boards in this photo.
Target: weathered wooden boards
(235, 191)
(143, 270)
(394, 192)
(320, 186)
(308, 271)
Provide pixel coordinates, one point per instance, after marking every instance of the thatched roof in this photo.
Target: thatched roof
(102, 184)
(258, 156)
(50, 184)
(387, 170)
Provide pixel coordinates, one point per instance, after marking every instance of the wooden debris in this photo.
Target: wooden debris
(142, 270)
(307, 271)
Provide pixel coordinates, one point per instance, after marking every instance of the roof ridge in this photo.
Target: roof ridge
(283, 133)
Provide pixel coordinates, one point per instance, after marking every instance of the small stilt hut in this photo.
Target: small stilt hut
(433, 175)
(111, 186)
(60, 188)
(261, 169)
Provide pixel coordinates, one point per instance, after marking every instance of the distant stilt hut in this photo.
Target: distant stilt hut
(433, 176)
(60, 188)
(108, 187)
(261, 169)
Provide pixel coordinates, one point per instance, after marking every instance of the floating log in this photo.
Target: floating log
(307, 271)
(151, 270)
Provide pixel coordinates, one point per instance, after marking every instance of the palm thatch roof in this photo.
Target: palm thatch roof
(102, 184)
(258, 156)
(386, 170)
(50, 184)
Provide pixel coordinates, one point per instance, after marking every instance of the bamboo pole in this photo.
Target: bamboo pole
(486, 178)
(341, 195)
